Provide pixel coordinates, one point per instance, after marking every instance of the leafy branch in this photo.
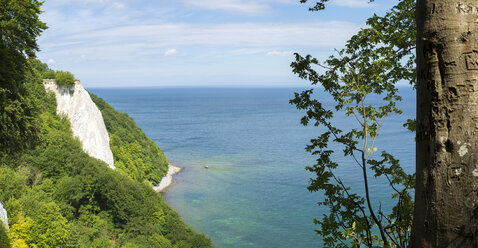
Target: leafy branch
(371, 64)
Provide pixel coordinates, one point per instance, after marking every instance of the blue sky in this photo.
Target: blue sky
(127, 43)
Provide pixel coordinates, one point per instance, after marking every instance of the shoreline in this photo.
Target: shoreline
(167, 180)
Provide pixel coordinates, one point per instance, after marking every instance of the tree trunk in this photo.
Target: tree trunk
(446, 196)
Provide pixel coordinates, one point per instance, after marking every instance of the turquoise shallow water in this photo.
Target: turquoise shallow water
(254, 192)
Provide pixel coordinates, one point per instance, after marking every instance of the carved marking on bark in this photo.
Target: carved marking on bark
(450, 63)
(453, 93)
(466, 8)
(471, 60)
(469, 134)
(437, 8)
(447, 96)
(472, 84)
(456, 173)
(465, 36)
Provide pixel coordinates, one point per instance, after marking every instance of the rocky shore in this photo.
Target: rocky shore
(168, 179)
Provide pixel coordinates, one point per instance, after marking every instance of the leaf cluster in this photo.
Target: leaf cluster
(63, 78)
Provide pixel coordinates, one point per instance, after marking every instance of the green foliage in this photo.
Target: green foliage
(20, 26)
(134, 153)
(21, 231)
(43, 69)
(50, 74)
(51, 228)
(64, 78)
(55, 194)
(4, 238)
(372, 63)
(58, 196)
(19, 127)
(38, 66)
(12, 183)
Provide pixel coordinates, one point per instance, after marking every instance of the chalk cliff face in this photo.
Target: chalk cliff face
(3, 215)
(85, 118)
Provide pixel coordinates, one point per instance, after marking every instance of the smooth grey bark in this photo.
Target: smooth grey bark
(446, 196)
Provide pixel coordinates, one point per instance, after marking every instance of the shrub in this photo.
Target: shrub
(65, 78)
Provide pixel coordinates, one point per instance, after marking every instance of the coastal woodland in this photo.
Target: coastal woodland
(55, 194)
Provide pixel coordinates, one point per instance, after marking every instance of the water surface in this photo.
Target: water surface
(254, 192)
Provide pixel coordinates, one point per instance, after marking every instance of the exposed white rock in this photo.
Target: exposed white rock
(168, 179)
(3, 214)
(85, 118)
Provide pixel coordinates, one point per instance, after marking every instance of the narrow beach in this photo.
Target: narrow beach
(168, 179)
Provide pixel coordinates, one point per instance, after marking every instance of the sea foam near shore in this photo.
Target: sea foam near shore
(168, 179)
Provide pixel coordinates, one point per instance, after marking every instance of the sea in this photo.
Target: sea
(254, 190)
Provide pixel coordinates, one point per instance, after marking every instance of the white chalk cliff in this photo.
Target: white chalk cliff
(85, 118)
(3, 215)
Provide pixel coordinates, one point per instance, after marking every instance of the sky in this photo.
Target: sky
(194, 43)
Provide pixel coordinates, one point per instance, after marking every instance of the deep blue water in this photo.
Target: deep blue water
(254, 192)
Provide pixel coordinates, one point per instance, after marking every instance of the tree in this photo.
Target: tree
(20, 26)
(445, 213)
(373, 61)
(447, 114)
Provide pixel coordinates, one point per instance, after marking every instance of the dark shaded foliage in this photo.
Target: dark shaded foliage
(20, 26)
(4, 239)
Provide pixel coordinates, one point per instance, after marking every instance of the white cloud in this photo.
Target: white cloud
(248, 7)
(51, 62)
(353, 3)
(118, 5)
(170, 52)
(233, 35)
(126, 36)
(244, 7)
(83, 2)
(222, 46)
(245, 51)
(279, 53)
